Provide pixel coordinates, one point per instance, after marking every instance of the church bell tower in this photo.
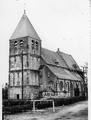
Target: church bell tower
(24, 61)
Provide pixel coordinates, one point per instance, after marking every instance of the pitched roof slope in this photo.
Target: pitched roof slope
(24, 28)
(64, 73)
(71, 63)
(52, 58)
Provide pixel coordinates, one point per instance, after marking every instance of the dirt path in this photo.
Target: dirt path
(77, 111)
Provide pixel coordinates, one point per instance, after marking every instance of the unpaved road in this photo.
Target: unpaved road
(77, 111)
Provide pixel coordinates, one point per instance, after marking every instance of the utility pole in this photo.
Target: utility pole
(22, 72)
(21, 45)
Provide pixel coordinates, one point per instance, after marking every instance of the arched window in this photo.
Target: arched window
(79, 86)
(36, 45)
(67, 86)
(76, 85)
(71, 86)
(21, 43)
(61, 85)
(32, 44)
(50, 84)
(15, 43)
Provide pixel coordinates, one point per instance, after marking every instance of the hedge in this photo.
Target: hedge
(15, 102)
(17, 109)
(58, 102)
(15, 106)
(67, 101)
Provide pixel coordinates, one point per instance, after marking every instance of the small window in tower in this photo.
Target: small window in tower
(15, 43)
(32, 44)
(21, 43)
(36, 45)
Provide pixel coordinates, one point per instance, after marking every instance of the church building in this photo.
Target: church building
(33, 69)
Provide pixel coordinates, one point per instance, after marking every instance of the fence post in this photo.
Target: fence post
(53, 106)
(33, 105)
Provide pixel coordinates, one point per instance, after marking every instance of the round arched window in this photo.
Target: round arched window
(50, 84)
(61, 85)
(36, 45)
(67, 84)
(71, 86)
(15, 43)
(21, 43)
(32, 44)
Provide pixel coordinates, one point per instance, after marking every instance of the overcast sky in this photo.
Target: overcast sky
(62, 24)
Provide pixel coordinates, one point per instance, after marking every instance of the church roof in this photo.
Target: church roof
(60, 64)
(51, 57)
(24, 28)
(64, 73)
(59, 59)
(69, 60)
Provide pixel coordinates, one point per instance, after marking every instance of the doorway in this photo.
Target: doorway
(17, 96)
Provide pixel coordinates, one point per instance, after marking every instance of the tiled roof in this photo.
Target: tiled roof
(68, 59)
(24, 28)
(64, 73)
(52, 58)
(64, 62)
(59, 59)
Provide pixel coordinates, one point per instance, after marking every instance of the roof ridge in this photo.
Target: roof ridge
(57, 51)
(64, 53)
(49, 50)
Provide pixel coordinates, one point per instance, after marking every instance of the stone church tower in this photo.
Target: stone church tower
(24, 61)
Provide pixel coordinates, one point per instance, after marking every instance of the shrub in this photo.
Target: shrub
(15, 102)
(17, 109)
